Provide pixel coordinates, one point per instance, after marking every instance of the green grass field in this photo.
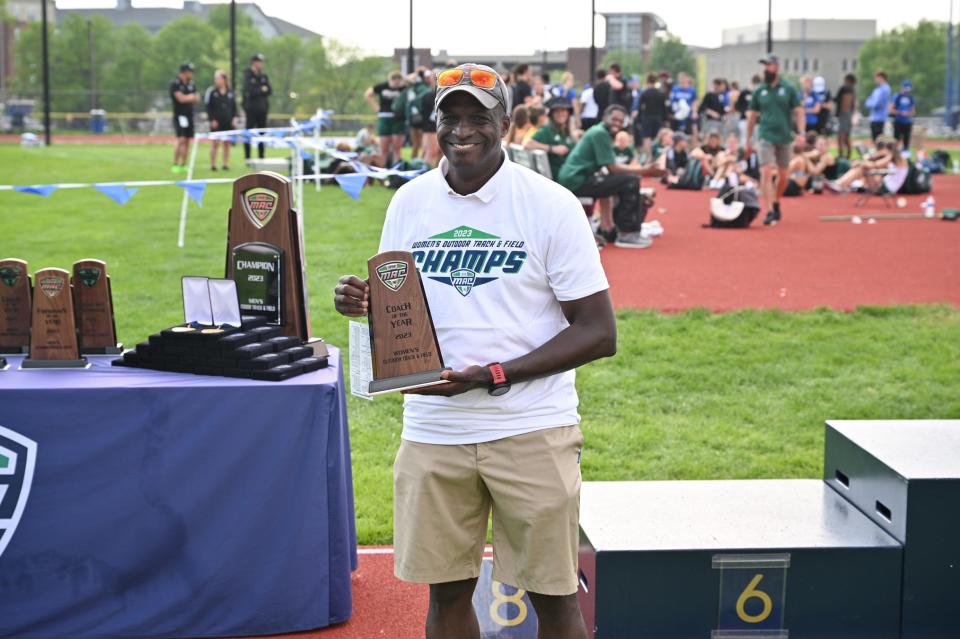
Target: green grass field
(689, 396)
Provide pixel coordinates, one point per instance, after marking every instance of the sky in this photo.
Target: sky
(523, 26)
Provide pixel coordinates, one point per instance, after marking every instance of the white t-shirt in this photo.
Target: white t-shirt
(494, 265)
(589, 107)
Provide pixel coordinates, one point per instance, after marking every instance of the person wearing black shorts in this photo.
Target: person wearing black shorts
(222, 114)
(256, 99)
(653, 113)
(184, 95)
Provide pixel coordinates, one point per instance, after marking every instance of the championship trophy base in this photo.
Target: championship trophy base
(105, 350)
(55, 363)
(407, 382)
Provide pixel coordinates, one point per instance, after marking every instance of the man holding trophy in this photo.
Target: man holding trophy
(518, 299)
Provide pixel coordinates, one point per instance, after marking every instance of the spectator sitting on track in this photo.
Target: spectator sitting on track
(675, 159)
(538, 116)
(623, 149)
(819, 164)
(883, 172)
(366, 139)
(580, 174)
(711, 109)
(589, 111)
(519, 125)
(707, 152)
(661, 143)
(556, 136)
(727, 161)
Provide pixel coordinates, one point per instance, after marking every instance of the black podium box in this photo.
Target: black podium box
(905, 476)
(765, 559)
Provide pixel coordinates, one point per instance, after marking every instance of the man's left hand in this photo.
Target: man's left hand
(457, 382)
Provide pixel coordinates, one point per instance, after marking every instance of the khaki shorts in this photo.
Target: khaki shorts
(770, 153)
(443, 496)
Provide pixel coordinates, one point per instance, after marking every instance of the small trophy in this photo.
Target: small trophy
(14, 306)
(53, 329)
(403, 341)
(93, 305)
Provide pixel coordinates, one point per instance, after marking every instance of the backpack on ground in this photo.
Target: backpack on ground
(917, 181)
(734, 209)
(692, 178)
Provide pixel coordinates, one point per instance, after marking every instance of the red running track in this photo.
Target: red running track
(801, 263)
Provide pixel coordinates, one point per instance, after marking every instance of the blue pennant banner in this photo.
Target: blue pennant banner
(195, 190)
(37, 189)
(351, 183)
(119, 193)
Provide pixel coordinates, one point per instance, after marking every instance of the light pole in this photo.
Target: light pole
(769, 26)
(46, 76)
(410, 48)
(593, 41)
(233, 43)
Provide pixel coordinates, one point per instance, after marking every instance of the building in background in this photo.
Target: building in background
(20, 13)
(632, 31)
(155, 18)
(816, 47)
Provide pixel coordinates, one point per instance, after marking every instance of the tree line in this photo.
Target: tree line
(94, 64)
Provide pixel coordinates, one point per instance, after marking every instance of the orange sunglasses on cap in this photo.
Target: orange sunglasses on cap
(477, 77)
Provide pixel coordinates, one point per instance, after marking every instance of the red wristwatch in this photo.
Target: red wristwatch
(500, 385)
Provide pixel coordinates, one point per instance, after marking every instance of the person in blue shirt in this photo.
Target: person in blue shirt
(683, 104)
(811, 103)
(879, 104)
(903, 109)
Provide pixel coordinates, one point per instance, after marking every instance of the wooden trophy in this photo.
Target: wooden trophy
(403, 341)
(14, 306)
(93, 306)
(53, 329)
(265, 254)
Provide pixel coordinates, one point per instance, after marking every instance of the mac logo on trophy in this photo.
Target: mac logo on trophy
(93, 307)
(260, 204)
(403, 341)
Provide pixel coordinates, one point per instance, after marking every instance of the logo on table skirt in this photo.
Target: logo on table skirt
(260, 205)
(89, 276)
(18, 457)
(51, 285)
(10, 275)
(392, 274)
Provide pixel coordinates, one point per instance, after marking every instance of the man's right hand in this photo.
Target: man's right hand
(351, 296)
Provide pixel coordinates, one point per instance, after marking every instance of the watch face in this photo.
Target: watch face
(502, 389)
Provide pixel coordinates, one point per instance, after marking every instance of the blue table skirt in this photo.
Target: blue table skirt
(173, 505)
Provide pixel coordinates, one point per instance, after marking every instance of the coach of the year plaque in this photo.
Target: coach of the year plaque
(403, 341)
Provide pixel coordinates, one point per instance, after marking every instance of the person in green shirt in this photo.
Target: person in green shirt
(556, 136)
(579, 173)
(772, 103)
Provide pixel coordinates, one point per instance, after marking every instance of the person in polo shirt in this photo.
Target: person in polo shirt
(579, 173)
(903, 108)
(773, 103)
(556, 136)
(879, 104)
(530, 305)
(184, 94)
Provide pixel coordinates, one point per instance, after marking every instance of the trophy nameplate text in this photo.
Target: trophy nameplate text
(53, 329)
(93, 305)
(15, 289)
(403, 342)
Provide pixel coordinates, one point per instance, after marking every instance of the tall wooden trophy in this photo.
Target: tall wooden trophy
(14, 306)
(93, 306)
(265, 255)
(53, 329)
(403, 341)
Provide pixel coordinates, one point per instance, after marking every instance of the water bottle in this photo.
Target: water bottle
(929, 207)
